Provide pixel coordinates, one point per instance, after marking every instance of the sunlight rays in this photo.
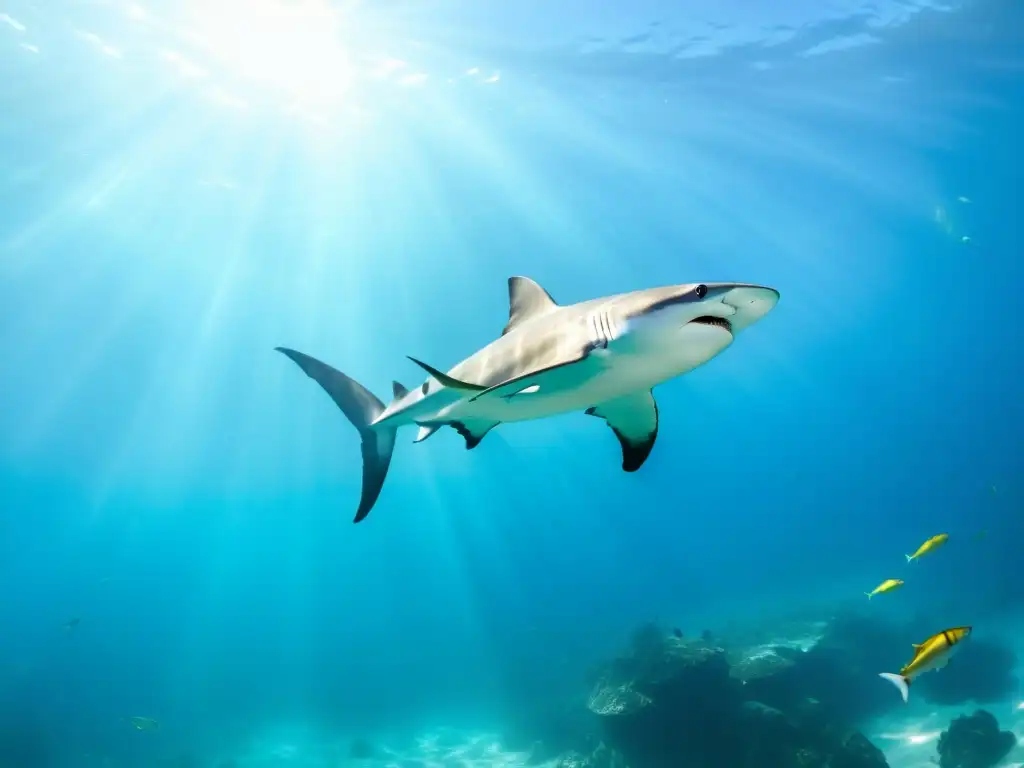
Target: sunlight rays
(145, 156)
(377, 155)
(533, 197)
(291, 46)
(184, 387)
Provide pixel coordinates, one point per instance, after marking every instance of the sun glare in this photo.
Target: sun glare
(291, 45)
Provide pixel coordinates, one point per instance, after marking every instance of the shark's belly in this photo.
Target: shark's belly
(603, 375)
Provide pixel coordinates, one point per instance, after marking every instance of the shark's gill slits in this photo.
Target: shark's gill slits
(717, 322)
(599, 335)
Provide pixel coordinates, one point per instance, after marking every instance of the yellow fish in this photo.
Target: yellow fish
(933, 653)
(886, 586)
(929, 546)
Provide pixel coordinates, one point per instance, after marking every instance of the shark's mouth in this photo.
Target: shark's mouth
(715, 322)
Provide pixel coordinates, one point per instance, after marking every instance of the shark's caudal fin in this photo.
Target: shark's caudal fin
(902, 684)
(361, 408)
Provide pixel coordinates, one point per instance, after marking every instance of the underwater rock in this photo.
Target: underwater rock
(666, 694)
(657, 666)
(772, 738)
(858, 752)
(759, 661)
(609, 699)
(974, 741)
(798, 633)
(982, 672)
(839, 672)
(572, 759)
(671, 701)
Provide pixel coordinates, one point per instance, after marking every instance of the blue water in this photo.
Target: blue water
(185, 186)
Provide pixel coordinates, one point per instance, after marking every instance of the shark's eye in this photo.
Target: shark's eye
(701, 291)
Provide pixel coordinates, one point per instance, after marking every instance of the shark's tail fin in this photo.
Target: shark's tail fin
(361, 407)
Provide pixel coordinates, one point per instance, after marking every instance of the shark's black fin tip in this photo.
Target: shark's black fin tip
(632, 463)
(634, 421)
(473, 432)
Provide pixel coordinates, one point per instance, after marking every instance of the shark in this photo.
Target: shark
(602, 356)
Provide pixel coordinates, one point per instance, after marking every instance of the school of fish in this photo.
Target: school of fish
(933, 653)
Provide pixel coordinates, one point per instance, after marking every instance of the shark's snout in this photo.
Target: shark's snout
(750, 302)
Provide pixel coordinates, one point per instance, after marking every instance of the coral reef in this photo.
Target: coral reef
(974, 741)
(744, 703)
(787, 694)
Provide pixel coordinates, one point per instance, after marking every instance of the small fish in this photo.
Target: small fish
(933, 653)
(980, 535)
(886, 586)
(994, 490)
(143, 723)
(929, 546)
(963, 199)
(678, 633)
(965, 239)
(70, 626)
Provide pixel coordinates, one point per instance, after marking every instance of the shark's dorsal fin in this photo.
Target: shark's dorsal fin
(526, 299)
(447, 380)
(398, 390)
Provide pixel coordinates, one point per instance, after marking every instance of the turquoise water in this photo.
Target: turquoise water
(185, 186)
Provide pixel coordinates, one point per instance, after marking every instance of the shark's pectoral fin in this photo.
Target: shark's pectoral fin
(634, 419)
(448, 381)
(539, 382)
(526, 299)
(473, 431)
